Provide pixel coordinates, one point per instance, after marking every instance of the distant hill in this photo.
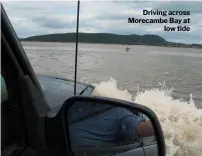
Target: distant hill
(107, 38)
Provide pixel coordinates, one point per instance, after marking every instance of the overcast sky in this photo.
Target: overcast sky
(36, 18)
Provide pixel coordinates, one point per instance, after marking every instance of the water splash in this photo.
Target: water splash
(181, 121)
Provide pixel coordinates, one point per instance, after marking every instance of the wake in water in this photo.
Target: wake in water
(181, 121)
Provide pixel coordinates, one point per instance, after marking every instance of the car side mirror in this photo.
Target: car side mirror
(101, 126)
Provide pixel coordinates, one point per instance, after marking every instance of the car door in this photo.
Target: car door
(38, 133)
(27, 105)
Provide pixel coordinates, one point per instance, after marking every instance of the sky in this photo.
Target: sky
(42, 17)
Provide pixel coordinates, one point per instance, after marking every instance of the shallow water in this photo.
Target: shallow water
(143, 67)
(167, 80)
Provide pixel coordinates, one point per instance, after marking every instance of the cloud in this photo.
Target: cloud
(35, 18)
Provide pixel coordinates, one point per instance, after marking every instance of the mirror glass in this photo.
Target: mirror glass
(104, 129)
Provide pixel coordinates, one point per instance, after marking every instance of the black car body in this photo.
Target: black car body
(57, 89)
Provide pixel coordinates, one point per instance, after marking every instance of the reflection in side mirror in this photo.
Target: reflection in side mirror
(99, 126)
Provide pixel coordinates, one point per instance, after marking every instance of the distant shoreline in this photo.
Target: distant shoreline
(104, 38)
(114, 44)
(36, 43)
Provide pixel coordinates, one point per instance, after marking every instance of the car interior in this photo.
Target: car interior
(23, 112)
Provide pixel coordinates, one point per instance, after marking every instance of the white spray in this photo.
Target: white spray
(181, 121)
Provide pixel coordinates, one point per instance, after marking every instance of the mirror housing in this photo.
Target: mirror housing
(64, 114)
